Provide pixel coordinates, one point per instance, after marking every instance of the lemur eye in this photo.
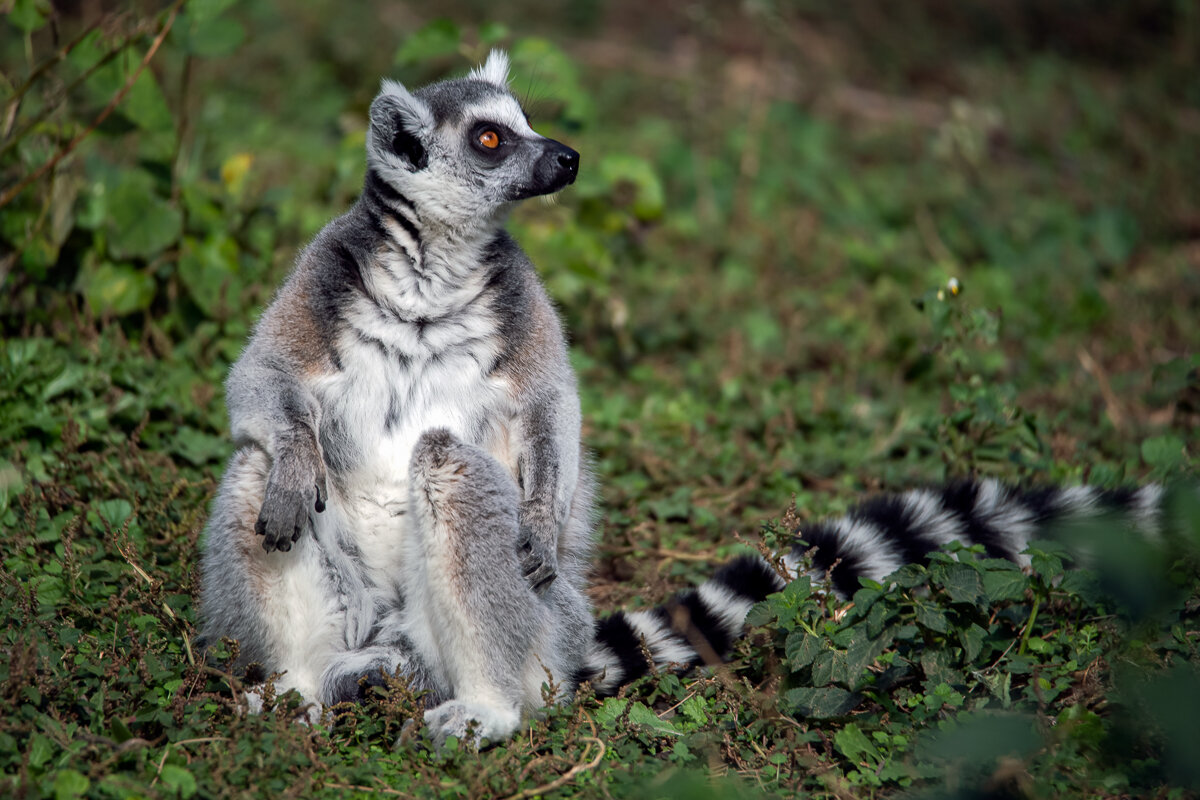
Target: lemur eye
(489, 139)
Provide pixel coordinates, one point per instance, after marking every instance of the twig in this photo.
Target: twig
(355, 787)
(566, 777)
(103, 115)
(1112, 406)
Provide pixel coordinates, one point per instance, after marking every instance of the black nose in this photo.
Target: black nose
(568, 159)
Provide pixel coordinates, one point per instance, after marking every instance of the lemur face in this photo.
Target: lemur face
(462, 150)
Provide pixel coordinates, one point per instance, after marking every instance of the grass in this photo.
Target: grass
(754, 271)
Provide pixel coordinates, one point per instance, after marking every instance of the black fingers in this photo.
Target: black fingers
(321, 498)
(539, 568)
(282, 518)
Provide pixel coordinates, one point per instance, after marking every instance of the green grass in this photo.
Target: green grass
(753, 269)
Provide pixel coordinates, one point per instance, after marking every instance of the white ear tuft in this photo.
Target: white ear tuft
(495, 71)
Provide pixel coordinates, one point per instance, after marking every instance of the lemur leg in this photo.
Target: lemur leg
(280, 606)
(469, 607)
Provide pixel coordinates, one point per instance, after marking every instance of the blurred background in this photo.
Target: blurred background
(815, 250)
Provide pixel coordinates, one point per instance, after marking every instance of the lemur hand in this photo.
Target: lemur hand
(537, 547)
(295, 485)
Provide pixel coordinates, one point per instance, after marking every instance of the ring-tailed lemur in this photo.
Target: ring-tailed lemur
(409, 493)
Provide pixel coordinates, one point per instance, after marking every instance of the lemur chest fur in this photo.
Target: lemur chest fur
(411, 362)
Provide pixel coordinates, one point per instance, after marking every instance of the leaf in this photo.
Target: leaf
(179, 780)
(648, 199)
(209, 270)
(70, 784)
(861, 654)
(972, 640)
(822, 703)
(141, 224)
(801, 648)
(40, 750)
(932, 617)
(643, 716)
(1163, 452)
(961, 581)
(115, 512)
(855, 745)
(199, 448)
(115, 288)
(437, 39)
(1004, 584)
(30, 15)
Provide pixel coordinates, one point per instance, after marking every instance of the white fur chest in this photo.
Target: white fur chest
(402, 374)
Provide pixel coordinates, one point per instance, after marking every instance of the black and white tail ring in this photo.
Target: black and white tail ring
(872, 541)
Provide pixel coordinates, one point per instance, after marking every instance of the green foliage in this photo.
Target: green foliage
(755, 268)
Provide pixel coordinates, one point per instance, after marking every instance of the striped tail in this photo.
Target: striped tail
(697, 627)
(873, 540)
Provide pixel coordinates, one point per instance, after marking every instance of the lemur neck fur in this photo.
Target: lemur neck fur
(423, 267)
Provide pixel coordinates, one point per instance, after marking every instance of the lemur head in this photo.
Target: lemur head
(462, 150)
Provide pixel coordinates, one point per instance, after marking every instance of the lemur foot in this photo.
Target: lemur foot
(459, 718)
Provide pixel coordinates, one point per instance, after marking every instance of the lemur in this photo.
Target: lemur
(409, 494)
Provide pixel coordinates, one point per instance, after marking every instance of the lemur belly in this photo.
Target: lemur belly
(376, 408)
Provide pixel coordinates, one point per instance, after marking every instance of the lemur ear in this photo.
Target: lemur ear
(495, 70)
(400, 123)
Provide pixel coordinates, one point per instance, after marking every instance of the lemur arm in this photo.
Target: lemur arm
(270, 408)
(548, 472)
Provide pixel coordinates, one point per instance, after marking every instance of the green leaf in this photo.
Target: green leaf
(437, 39)
(178, 780)
(855, 745)
(801, 648)
(1004, 584)
(209, 270)
(145, 105)
(69, 784)
(115, 512)
(141, 224)
(821, 703)
(40, 750)
(30, 15)
(648, 198)
(1163, 452)
(932, 617)
(961, 581)
(972, 640)
(115, 288)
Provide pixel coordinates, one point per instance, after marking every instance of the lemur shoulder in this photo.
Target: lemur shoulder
(409, 494)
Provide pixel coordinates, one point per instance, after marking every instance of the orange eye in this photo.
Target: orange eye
(489, 139)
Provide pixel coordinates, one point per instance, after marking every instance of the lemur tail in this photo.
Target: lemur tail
(873, 540)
